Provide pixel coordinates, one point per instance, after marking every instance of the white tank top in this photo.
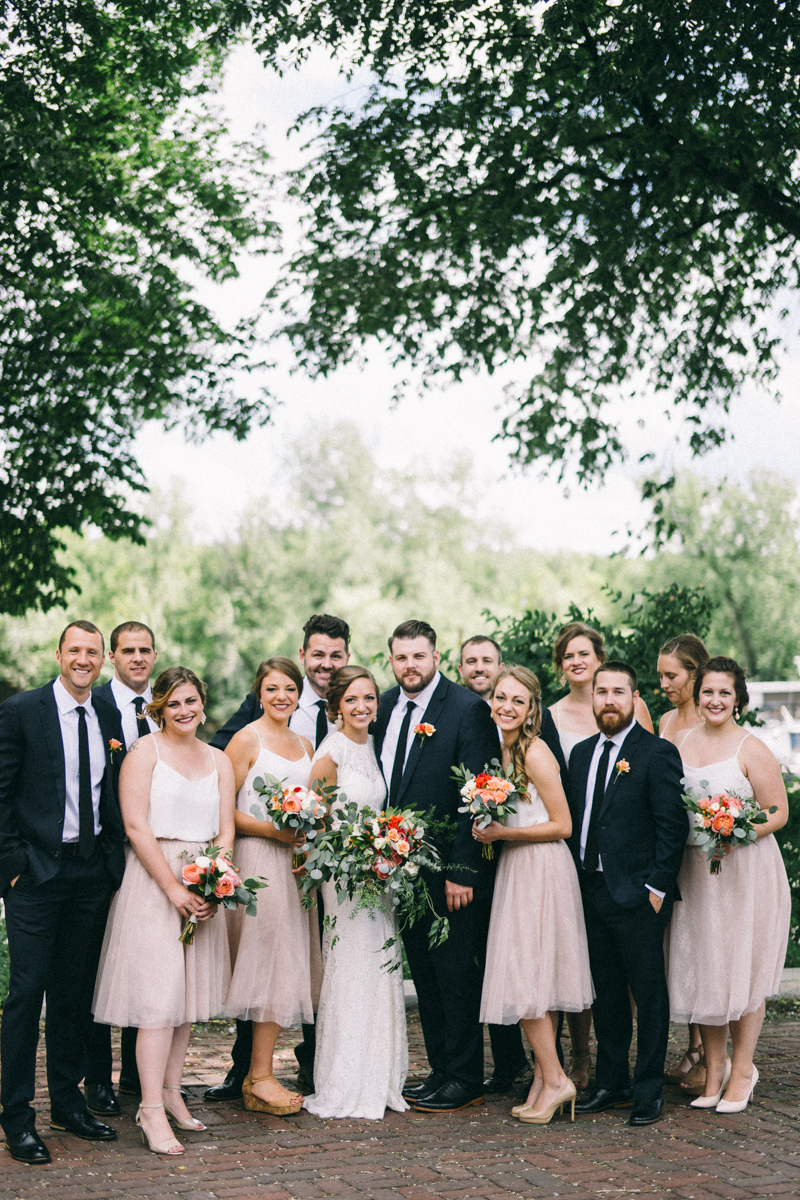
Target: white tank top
(183, 809)
(290, 773)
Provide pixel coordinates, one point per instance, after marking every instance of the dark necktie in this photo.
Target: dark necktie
(591, 853)
(322, 723)
(400, 753)
(85, 809)
(142, 727)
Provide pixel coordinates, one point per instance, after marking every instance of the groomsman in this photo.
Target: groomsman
(480, 662)
(133, 655)
(326, 647)
(61, 859)
(417, 771)
(629, 830)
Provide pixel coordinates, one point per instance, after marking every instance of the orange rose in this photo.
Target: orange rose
(191, 874)
(225, 886)
(722, 823)
(292, 804)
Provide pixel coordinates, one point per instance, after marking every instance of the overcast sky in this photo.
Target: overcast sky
(222, 476)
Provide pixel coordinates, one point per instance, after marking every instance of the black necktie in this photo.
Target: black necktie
(142, 727)
(85, 809)
(591, 853)
(322, 723)
(400, 753)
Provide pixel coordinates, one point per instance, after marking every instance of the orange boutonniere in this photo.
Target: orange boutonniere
(425, 731)
(623, 767)
(113, 744)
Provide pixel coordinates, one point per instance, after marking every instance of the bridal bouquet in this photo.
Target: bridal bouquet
(372, 855)
(290, 808)
(212, 876)
(723, 819)
(489, 796)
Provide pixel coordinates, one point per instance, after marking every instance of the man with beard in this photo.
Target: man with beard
(629, 829)
(418, 768)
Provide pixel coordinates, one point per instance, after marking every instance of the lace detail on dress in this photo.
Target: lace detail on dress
(362, 1051)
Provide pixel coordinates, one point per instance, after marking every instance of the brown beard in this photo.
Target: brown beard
(611, 723)
(415, 688)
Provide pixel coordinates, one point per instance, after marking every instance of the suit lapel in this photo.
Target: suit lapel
(627, 748)
(430, 716)
(51, 727)
(581, 777)
(378, 731)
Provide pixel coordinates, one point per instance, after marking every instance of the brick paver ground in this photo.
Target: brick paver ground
(479, 1153)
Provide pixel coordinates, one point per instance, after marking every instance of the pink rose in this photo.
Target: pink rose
(191, 874)
(292, 804)
(382, 868)
(225, 887)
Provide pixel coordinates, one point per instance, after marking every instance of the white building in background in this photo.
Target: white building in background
(778, 705)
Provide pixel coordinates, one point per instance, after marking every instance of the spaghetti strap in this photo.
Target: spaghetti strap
(155, 743)
(741, 743)
(670, 715)
(213, 760)
(688, 731)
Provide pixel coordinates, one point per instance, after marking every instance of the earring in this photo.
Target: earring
(736, 712)
(529, 725)
(203, 719)
(338, 722)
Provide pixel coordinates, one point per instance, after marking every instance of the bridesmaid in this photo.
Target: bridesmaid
(271, 984)
(729, 934)
(176, 796)
(537, 959)
(577, 653)
(678, 660)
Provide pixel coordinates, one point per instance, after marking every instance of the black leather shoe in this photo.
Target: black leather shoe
(305, 1080)
(27, 1147)
(83, 1125)
(450, 1097)
(417, 1091)
(130, 1085)
(646, 1112)
(500, 1081)
(605, 1098)
(231, 1089)
(100, 1100)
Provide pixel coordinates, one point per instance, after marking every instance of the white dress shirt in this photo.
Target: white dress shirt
(124, 699)
(617, 741)
(303, 720)
(421, 702)
(68, 719)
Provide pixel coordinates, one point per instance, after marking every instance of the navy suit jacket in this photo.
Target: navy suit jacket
(33, 793)
(465, 733)
(249, 710)
(642, 825)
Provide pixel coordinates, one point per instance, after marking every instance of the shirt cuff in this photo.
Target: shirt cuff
(655, 891)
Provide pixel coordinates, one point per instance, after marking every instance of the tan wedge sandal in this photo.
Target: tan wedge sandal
(254, 1103)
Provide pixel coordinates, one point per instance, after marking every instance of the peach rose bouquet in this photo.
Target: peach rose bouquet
(301, 809)
(721, 821)
(212, 876)
(489, 796)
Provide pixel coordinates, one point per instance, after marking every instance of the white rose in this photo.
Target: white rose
(203, 861)
(411, 869)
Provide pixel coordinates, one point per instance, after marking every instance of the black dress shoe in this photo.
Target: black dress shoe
(417, 1091)
(231, 1089)
(27, 1147)
(100, 1100)
(501, 1081)
(83, 1125)
(450, 1097)
(646, 1112)
(305, 1080)
(130, 1085)
(605, 1098)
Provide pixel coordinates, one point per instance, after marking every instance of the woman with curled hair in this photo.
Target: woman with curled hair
(537, 958)
(728, 937)
(176, 797)
(271, 983)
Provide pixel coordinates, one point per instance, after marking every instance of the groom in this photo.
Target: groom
(417, 769)
(629, 830)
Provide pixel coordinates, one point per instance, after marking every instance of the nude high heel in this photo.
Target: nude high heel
(191, 1125)
(565, 1096)
(713, 1101)
(172, 1148)
(737, 1106)
(254, 1103)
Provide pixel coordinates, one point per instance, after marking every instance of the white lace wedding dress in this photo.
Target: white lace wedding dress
(362, 1050)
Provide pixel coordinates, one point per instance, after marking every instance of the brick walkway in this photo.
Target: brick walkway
(481, 1152)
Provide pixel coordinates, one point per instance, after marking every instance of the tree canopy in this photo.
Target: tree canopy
(116, 184)
(606, 193)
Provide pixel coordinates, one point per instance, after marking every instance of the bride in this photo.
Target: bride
(362, 1050)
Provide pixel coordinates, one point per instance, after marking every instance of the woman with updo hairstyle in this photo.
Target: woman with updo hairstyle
(537, 958)
(176, 797)
(577, 653)
(678, 661)
(271, 984)
(729, 934)
(361, 1060)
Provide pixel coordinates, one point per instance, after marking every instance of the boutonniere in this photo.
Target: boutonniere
(425, 731)
(113, 745)
(623, 767)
